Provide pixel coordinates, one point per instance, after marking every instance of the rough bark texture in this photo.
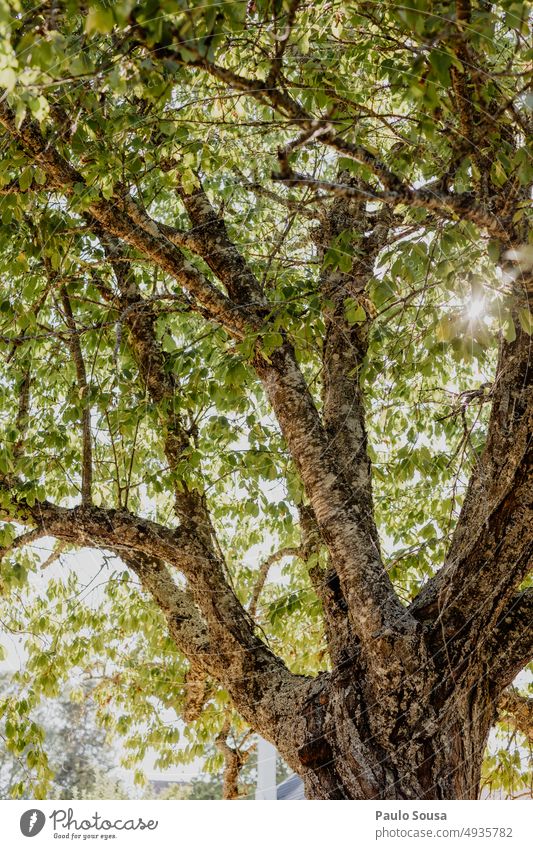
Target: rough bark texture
(234, 759)
(405, 711)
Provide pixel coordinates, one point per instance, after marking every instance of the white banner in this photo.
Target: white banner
(245, 825)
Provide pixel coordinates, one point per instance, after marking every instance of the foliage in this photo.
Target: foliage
(74, 748)
(123, 91)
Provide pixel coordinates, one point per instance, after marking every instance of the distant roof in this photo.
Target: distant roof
(165, 783)
(292, 789)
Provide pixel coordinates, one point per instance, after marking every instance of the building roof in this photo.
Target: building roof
(292, 789)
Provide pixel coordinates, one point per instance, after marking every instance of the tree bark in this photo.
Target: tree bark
(406, 707)
(362, 754)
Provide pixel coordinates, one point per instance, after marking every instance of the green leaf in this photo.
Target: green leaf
(509, 330)
(39, 176)
(526, 320)
(99, 20)
(189, 181)
(20, 114)
(442, 61)
(354, 312)
(497, 173)
(8, 78)
(494, 250)
(25, 179)
(271, 341)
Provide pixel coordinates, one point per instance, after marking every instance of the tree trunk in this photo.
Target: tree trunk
(423, 740)
(406, 710)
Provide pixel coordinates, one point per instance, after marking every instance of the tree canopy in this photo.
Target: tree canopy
(265, 331)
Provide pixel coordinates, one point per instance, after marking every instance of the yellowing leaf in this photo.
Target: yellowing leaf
(8, 79)
(509, 330)
(526, 320)
(446, 329)
(99, 20)
(354, 312)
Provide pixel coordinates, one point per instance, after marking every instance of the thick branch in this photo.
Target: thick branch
(181, 238)
(220, 253)
(344, 348)
(197, 686)
(510, 644)
(23, 539)
(123, 218)
(234, 760)
(492, 548)
(461, 83)
(151, 360)
(253, 676)
(396, 191)
(185, 624)
(346, 526)
(446, 205)
(346, 342)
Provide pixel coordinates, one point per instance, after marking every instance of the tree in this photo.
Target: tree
(76, 751)
(266, 300)
(79, 757)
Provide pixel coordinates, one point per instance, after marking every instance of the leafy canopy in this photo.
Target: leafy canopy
(126, 94)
